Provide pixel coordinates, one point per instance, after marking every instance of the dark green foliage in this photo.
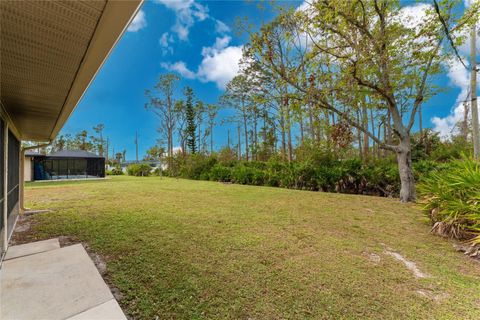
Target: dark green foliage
(320, 173)
(190, 116)
(428, 146)
(139, 170)
(197, 167)
(220, 173)
(243, 174)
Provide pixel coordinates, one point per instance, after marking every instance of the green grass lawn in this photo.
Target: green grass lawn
(196, 250)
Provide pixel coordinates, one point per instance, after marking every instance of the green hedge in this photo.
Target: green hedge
(315, 174)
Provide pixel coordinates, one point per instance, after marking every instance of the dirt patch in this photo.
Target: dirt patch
(23, 231)
(410, 265)
(436, 297)
(373, 257)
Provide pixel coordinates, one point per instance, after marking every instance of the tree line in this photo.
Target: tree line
(349, 77)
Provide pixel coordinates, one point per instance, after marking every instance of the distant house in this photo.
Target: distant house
(154, 164)
(65, 164)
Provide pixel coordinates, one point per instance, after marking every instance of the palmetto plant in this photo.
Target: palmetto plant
(451, 196)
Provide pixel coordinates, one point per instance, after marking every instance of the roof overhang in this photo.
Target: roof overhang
(50, 53)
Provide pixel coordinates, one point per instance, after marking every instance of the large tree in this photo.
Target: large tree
(162, 103)
(360, 54)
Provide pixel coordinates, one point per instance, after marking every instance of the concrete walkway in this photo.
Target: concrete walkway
(40, 281)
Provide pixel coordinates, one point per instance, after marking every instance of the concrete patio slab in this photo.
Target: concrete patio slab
(109, 310)
(56, 284)
(31, 248)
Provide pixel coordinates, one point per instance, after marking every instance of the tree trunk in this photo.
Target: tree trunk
(254, 138)
(245, 128)
(420, 124)
(365, 128)
(289, 136)
(372, 120)
(239, 147)
(312, 125)
(404, 159)
(359, 137)
(282, 127)
(301, 128)
(211, 138)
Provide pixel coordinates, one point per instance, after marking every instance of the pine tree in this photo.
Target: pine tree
(190, 115)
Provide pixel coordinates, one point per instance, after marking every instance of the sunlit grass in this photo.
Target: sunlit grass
(192, 250)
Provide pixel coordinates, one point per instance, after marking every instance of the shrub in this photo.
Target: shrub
(242, 174)
(197, 167)
(305, 177)
(139, 170)
(227, 157)
(220, 173)
(451, 197)
(115, 172)
(380, 178)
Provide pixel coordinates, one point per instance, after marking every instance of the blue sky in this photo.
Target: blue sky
(198, 40)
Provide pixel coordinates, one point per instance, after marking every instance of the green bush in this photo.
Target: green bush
(197, 167)
(451, 197)
(220, 173)
(139, 170)
(242, 174)
(317, 171)
(305, 177)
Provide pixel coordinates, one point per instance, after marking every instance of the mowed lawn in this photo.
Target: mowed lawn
(181, 249)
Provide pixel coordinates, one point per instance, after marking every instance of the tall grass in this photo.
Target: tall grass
(451, 196)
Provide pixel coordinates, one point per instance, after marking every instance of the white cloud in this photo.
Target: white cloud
(139, 22)
(179, 67)
(459, 77)
(219, 63)
(165, 40)
(187, 13)
(221, 27)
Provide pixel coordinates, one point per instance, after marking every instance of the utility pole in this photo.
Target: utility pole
(473, 95)
(136, 146)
